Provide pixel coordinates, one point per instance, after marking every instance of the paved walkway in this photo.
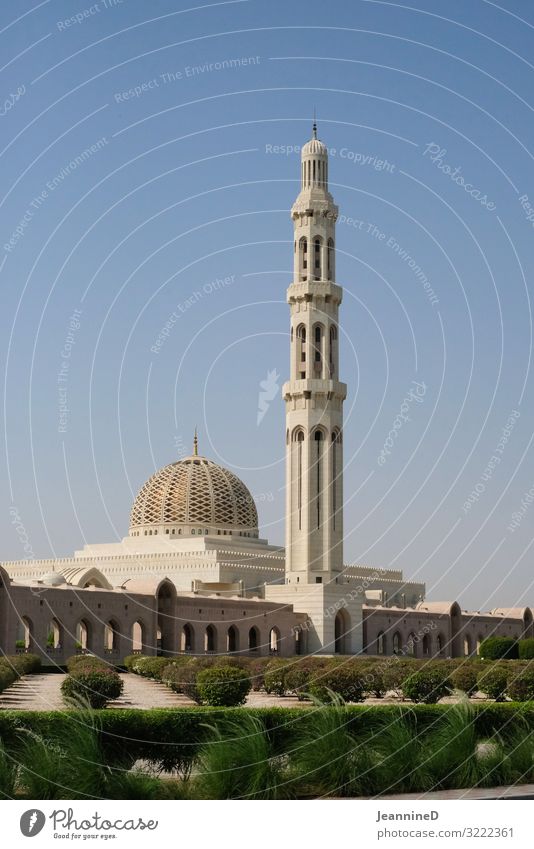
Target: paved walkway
(43, 692)
(34, 692)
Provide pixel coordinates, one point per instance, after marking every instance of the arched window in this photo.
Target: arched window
(467, 645)
(479, 642)
(232, 643)
(317, 249)
(24, 635)
(138, 637)
(397, 643)
(54, 638)
(330, 253)
(274, 641)
(210, 639)
(301, 351)
(341, 630)
(253, 639)
(83, 636)
(440, 643)
(111, 637)
(336, 442)
(187, 639)
(411, 645)
(381, 643)
(318, 462)
(303, 258)
(300, 460)
(318, 336)
(426, 646)
(332, 350)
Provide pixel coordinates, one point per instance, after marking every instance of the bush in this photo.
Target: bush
(297, 681)
(464, 678)
(149, 667)
(7, 677)
(274, 679)
(396, 671)
(520, 685)
(427, 686)
(499, 648)
(85, 660)
(526, 649)
(493, 682)
(91, 685)
(22, 664)
(223, 686)
(345, 681)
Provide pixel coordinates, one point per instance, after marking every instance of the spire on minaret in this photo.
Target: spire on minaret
(314, 128)
(195, 444)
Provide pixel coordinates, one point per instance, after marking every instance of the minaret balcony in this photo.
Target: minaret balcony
(306, 290)
(310, 387)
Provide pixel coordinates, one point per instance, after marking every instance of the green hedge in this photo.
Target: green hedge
(170, 738)
(13, 666)
(497, 648)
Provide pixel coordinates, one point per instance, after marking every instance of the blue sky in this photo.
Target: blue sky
(146, 174)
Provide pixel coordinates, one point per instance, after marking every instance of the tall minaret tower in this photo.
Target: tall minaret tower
(315, 585)
(314, 395)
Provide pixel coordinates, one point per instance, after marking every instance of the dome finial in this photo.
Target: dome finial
(314, 128)
(195, 444)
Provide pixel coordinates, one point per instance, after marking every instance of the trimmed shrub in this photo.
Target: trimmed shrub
(493, 682)
(526, 649)
(85, 660)
(150, 667)
(223, 686)
(297, 681)
(91, 685)
(520, 685)
(274, 680)
(22, 664)
(396, 671)
(427, 686)
(499, 648)
(345, 681)
(464, 678)
(7, 677)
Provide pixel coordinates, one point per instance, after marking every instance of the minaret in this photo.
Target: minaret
(315, 585)
(314, 395)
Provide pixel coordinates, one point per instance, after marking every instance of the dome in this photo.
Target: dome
(194, 496)
(314, 148)
(53, 579)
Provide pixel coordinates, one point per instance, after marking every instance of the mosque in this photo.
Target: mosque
(194, 576)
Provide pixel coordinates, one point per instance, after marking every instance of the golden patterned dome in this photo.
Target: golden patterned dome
(194, 496)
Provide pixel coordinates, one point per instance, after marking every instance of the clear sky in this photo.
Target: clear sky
(148, 165)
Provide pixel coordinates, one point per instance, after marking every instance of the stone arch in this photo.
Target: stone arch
(440, 642)
(111, 637)
(54, 635)
(411, 645)
(341, 632)
(84, 635)
(166, 604)
(25, 635)
(381, 643)
(253, 639)
(275, 640)
(210, 639)
(138, 637)
(467, 645)
(187, 638)
(232, 639)
(427, 646)
(397, 643)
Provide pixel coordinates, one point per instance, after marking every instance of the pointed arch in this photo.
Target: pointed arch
(274, 640)
(232, 639)
(210, 639)
(253, 639)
